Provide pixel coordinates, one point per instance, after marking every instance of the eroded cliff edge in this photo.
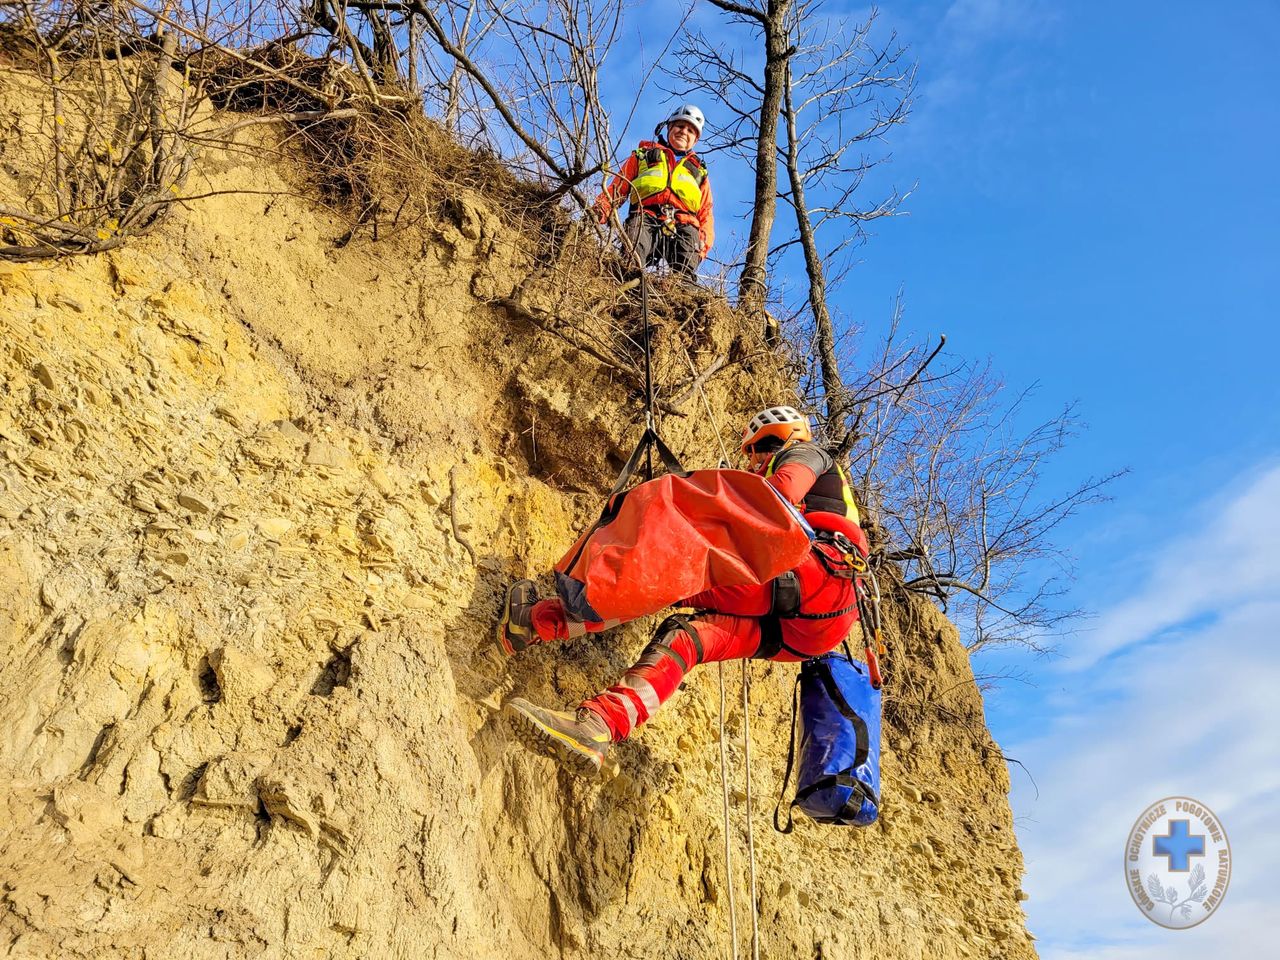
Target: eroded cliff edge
(258, 496)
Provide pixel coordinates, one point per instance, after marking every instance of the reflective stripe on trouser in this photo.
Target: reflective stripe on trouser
(550, 623)
(673, 653)
(665, 661)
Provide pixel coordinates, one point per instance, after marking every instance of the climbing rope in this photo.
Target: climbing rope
(728, 849)
(751, 843)
(746, 740)
(728, 856)
(649, 420)
(651, 426)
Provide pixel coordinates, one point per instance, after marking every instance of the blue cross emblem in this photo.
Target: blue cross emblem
(1179, 845)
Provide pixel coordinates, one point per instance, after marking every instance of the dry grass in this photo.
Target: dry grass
(387, 166)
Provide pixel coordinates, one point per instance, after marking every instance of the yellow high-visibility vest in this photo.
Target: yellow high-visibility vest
(652, 179)
(846, 492)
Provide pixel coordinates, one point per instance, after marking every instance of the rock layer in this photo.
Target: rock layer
(258, 497)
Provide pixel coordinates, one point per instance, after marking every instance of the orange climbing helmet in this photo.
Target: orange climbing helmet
(771, 430)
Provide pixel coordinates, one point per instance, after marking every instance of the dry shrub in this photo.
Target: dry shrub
(383, 162)
(97, 132)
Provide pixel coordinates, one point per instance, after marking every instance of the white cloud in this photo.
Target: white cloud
(970, 23)
(1177, 698)
(1226, 553)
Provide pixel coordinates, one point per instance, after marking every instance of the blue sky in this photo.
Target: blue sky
(1096, 210)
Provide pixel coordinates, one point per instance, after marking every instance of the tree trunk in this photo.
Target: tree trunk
(833, 388)
(753, 284)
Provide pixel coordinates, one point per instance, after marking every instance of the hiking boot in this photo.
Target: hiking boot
(578, 740)
(515, 631)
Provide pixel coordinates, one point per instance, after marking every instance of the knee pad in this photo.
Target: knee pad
(661, 642)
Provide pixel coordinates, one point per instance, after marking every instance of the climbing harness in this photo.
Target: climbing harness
(667, 217)
(663, 195)
(785, 602)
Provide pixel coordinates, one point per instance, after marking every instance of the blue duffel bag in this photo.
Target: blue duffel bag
(838, 773)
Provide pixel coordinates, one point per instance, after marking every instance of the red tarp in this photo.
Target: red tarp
(675, 536)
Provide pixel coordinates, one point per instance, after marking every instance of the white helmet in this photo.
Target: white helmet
(689, 114)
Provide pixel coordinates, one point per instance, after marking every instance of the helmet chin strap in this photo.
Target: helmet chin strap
(758, 461)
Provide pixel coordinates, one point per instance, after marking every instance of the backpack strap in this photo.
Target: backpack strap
(648, 439)
(861, 794)
(791, 759)
(613, 502)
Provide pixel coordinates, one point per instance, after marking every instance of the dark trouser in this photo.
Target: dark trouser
(682, 250)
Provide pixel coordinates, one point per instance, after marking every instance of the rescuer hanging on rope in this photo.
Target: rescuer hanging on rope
(802, 612)
(670, 216)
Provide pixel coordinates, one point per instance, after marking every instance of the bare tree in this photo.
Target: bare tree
(953, 479)
(770, 19)
(749, 102)
(469, 25)
(532, 63)
(842, 93)
(117, 123)
(810, 93)
(109, 145)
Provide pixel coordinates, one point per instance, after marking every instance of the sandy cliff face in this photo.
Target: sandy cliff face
(258, 496)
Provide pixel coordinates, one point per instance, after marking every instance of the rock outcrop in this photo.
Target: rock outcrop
(258, 497)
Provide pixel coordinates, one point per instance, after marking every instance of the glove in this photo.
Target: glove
(602, 209)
